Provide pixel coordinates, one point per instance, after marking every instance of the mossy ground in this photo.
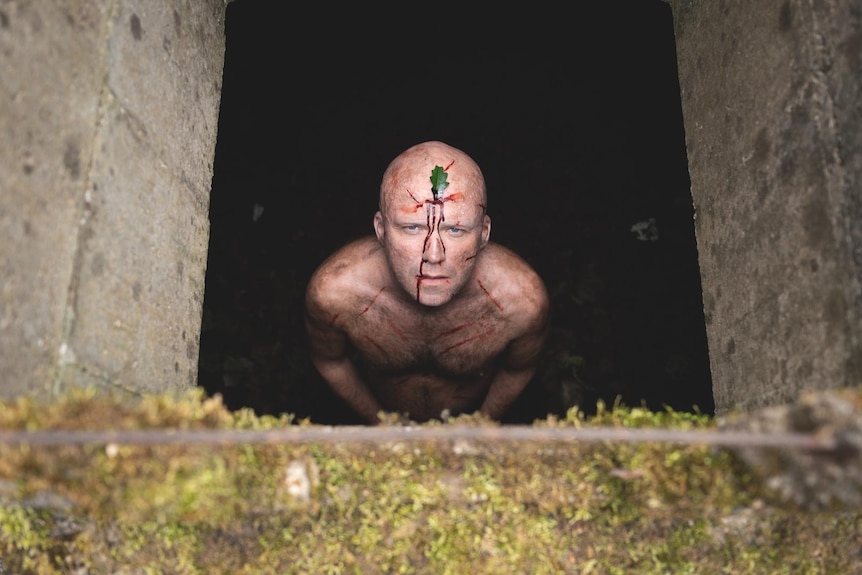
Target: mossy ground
(399, 507)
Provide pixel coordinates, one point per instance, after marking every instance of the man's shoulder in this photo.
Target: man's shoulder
(350, 257)
(510, 266)
(347, 269)
(514, 279)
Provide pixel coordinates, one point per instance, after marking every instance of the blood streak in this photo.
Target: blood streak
(490, 297)
(432, 222)
(416, 207)
(395, 328)
(375, 344)
(468, 340)
(374, 299)
(455, 329)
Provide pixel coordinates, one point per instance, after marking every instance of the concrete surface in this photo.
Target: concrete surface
(109, 120)
(770, 94)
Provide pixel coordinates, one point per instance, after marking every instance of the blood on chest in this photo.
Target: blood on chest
(462, 346)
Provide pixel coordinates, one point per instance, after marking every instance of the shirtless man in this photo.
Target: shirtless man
(427, 316)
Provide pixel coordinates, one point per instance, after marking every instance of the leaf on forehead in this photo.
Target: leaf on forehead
(438, 181)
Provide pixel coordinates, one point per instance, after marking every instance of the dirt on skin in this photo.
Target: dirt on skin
(443, 506)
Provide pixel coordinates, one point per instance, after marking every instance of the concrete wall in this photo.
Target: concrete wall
(108, 116)
(771, 101)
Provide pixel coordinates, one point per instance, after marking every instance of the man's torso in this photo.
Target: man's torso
(423, 361)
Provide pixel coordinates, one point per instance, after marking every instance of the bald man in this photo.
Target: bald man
(427, 316)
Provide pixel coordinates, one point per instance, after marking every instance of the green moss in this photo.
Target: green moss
(397, 507)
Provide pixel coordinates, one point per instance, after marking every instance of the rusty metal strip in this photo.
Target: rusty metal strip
(382, 434)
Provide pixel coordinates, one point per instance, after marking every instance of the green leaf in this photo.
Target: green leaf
(438, 181)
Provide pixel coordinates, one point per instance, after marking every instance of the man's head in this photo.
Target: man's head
(431, 242)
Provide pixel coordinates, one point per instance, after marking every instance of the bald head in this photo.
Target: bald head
(410, 174)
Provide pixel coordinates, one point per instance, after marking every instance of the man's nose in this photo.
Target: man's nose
(434, 251)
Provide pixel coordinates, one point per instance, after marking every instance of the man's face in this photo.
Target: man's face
(431, 244)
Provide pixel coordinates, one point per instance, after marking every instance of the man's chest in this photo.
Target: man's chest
(457, 342)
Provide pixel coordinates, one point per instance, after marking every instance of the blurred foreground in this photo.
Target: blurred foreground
(424, 507)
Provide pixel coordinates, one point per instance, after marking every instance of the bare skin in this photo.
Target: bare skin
(427, 315)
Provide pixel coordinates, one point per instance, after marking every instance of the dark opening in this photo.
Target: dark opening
(575, 119)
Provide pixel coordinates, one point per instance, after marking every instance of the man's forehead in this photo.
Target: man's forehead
(420, 184)
(413, 178)
(405, 201)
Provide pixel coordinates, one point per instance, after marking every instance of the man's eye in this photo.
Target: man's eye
(411, 228)
(456, 231)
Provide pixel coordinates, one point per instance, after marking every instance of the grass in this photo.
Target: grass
(398, 507)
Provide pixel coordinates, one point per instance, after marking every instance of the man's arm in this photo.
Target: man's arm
(329, 354)
(520, 359)
(504, 390)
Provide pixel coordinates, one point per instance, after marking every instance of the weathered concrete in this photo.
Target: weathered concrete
(771, 101)
(109, 117)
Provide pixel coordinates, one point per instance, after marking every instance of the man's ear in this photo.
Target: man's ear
(378, 226)
(486, 230)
